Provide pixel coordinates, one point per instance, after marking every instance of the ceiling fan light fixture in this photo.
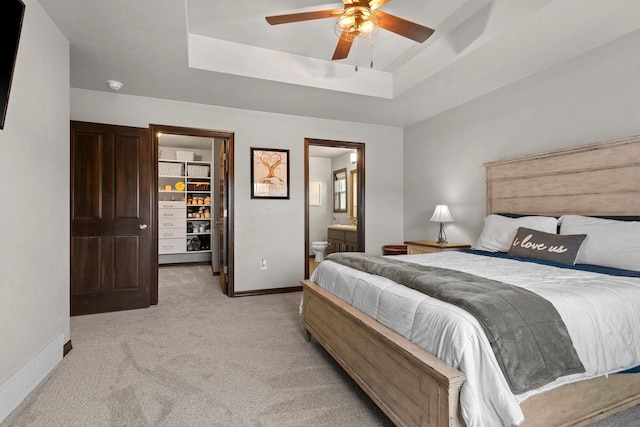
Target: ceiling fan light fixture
(356, 21)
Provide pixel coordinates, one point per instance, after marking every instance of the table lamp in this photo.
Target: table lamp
(442, 215)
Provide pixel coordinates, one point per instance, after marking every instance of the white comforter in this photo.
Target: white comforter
(602, 314)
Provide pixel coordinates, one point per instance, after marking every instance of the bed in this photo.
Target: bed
(414, 387)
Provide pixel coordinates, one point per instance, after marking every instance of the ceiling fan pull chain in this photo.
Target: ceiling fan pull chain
(357, 53)
(371, 65)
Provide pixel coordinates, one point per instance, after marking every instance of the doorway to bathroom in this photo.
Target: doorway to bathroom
(334, 174)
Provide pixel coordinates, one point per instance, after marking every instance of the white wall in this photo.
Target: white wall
(320, 216)
(34, 210)
(271, 229)
(590, 98)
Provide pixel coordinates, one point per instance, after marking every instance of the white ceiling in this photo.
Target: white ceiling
(223, 52)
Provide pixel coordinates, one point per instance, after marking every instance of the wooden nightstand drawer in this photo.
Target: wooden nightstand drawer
(414, 249)
(430, 246)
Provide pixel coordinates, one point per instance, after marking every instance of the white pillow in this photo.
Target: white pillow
(498, 231)
(609, 243)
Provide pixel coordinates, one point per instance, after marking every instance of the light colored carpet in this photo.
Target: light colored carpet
(198, 358)
(201, 359)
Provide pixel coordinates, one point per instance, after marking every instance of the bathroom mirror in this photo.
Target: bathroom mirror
(353, 196)
(340, 191)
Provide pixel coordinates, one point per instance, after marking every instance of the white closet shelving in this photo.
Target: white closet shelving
(184, 207)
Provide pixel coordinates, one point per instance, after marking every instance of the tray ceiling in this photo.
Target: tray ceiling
(224, 53)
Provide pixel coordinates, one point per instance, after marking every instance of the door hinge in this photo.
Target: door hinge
(224, 269)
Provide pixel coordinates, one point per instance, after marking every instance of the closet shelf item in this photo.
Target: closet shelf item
(198, 186)
(198, 171)
(186, 156)
(170, 169)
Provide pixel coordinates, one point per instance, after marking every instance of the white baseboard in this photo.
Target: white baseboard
(24, 380)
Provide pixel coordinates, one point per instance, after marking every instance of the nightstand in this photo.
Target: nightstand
(429, 246)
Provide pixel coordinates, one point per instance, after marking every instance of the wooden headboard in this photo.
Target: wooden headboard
(594, 179)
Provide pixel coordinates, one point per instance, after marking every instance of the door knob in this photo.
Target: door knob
(142, 226)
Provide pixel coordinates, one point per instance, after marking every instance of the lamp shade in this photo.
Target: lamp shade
(442, 214)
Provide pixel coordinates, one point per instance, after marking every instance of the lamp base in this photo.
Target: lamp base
(442, 237)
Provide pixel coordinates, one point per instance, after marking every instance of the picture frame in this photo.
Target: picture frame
(269, 173)
(11, 21)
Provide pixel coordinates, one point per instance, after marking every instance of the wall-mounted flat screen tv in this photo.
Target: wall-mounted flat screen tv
(11, 14)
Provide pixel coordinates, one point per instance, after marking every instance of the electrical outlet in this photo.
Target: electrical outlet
(263, 264)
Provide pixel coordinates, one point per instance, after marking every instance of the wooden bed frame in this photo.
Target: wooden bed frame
(415, 388)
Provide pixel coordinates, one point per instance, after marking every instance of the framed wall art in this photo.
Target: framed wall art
(11, 22)
(269, 173)
(315, 192)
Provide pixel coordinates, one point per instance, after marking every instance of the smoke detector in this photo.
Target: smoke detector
(114, 84)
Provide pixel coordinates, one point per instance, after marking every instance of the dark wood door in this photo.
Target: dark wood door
(112, 250)
(222, 219)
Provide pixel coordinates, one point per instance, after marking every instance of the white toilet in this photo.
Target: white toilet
(319, 249)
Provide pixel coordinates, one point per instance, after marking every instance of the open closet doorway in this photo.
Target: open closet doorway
(194, 182)
(334, 174)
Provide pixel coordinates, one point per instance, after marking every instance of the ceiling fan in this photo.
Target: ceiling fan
(358, 18)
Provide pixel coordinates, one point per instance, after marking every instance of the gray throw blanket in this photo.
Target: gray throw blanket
(530, 340)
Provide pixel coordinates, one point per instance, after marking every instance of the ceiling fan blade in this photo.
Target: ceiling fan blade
(303, 16)
(374, 4)
(342, 49)
(403, 27)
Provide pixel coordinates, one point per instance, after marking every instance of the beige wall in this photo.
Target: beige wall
(34, 208)
(271, 229)
(589, 98)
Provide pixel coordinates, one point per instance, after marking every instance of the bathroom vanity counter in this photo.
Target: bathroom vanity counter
(342, 238)
(342, 227)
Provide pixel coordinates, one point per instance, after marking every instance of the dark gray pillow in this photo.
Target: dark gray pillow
(561, 248)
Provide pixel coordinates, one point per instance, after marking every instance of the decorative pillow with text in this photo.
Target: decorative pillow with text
(536, 244)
